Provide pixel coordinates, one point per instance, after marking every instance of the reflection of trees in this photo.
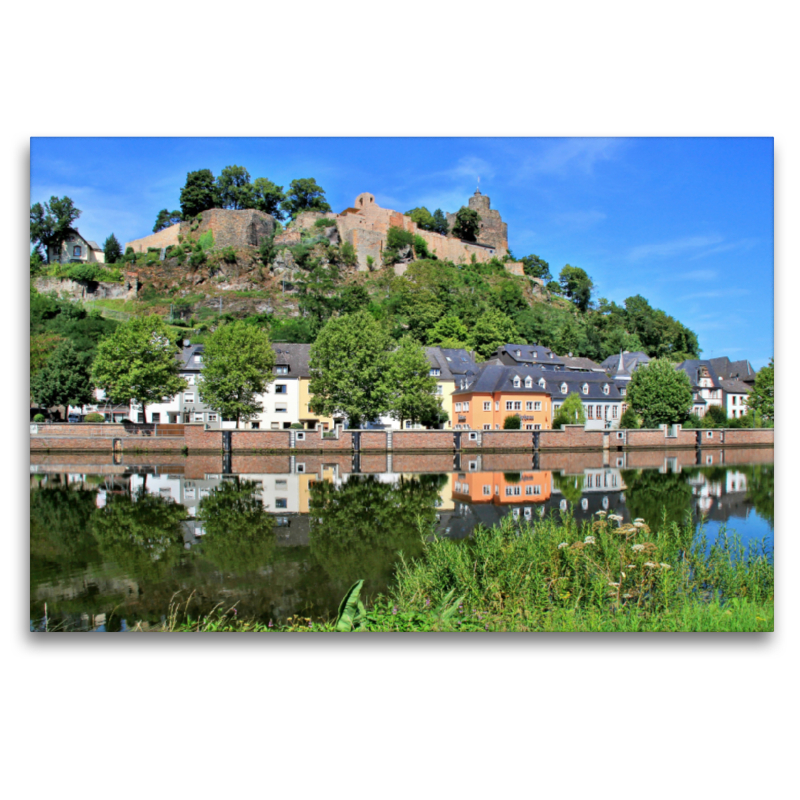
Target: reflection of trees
(570, 486)
(649, 493)
(60, 530)
(239, 534)
(358, 528)
(141, 533)
(761, 490)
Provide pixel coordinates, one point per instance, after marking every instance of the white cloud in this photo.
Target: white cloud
(571, 155)
(744, 244)
(672, 248)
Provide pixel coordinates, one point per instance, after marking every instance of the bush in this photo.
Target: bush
(512, 423)
(83, 272)
(38, 418)
(94, 417)
(228, 255)
(421, 248)
(206, 241)
(325, 223)
(298, 426)
(717, 415)
(629, 419)
(197, 258)
(348, 254)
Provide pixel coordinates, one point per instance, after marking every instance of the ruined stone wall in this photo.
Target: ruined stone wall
(492, 231)
(164, 238)
(90, 290)
(237, 229)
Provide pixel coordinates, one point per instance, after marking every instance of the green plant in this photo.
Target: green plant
(421, 247)
(352, 615)
(512, 423)
(206, 240)
(38, 418)
(228, 255)
(370, 263)
(94, 417)
(325, 222)
(197, 258)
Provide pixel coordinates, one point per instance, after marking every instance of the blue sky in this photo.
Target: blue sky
(686, 222)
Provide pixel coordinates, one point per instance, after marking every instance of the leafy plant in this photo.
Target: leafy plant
(352, 615)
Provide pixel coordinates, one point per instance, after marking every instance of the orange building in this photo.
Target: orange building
(498, 391)
(503, 488)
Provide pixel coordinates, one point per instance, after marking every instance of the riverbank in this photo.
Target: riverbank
(555, 575)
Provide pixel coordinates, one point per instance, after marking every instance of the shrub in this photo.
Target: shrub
(197, 258)
(228, 255)
(83, 272)
(38, 418)
(421, 247)
(206, 241)
(717, 415)
(348, 254)
(512, 423)
(94, 417)
(298, 426)
(325, 223)
(629, 419)
(370, 262)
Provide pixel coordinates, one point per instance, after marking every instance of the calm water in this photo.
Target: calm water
(277, 535)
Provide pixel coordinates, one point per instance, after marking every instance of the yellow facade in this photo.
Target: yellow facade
(309, 419)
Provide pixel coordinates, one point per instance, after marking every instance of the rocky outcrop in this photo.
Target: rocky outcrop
(88, 290)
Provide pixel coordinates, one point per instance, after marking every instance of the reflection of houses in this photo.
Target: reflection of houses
(501, 488)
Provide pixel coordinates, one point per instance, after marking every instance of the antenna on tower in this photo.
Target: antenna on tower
(478, 190)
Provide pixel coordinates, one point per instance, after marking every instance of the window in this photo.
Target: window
(76, 251)
(529, 489)
(212, 418)
(435, 373)
(140, 417)
(280, 408)
(280, 388)
(466, 406)
(473, 465)
(282, 370)
(281, 502)
(528, 382)
(190, 379)
(198, 416)
(497, 426)
(529, 405)
(516, 382)
(487, 491)
(585, 388)
(517, 405)
(542, 383)
(564, 388)
(275, 426)
(156, 417)
(623, 392)
(537, 406)
(599, 412)
(513, 490)
(709, 434)
(528, 426)
(614, 411)
(537, 426)
(301, 468)
(589, 412)
(509, 405)
(487, 426)
(487, 406)
(473, 437)
(497, 405)
(300, 436)
(198, 359)
(458, 406)
(255, 426)
(605, 388)
(188, 397)
(535, 354)
(438, 389)
(518, 352)
(281, 484)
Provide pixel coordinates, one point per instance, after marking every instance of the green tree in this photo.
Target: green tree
(304, 195)
(347, 363)
(660, 394)
(166, 219)
(267, 197)
(237, 367)
(512, 423)
(316, 293)
(239, 534)
(467, 224)
(535, 267)
(571, 412)
(491, 330)
(448, 329)
(64, 380)
(234, 189)
(141, 534)
(410, 388)
(762, 399)
(348, 253)
(717, 416)
(42, 347)
(629, 419)
(112, 250)
(440, 222)
(577, 286)
(199, 193)
(423, 218)
(51, 223)
(138, 362)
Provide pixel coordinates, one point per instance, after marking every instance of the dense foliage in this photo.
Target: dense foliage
(52, 222)
(660, 394)
(762, 399)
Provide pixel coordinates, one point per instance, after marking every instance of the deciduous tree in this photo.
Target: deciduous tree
(571, 412)
(237, 367)
(660, 394)
(137, 362)
(577, 286)
(440, 222)
(64, 380)
(51, 223)
(762, 399)
(448, 330)
(410, 388)
(267, 197)
(234, 188)
(304, 195)
(199, 193)
(166, 219)
(347, 364)
(535, 267)
(467, 224)
(491, 330)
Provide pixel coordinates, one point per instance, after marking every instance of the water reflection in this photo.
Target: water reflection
(286, 536)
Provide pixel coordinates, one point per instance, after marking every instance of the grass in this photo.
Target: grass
(558, 575)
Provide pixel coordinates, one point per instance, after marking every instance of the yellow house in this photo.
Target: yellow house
(450, 366)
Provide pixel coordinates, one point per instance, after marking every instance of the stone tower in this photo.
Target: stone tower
(493, 231)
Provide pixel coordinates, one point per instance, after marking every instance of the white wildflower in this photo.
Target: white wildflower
(589, 540)
(601, 514)
(613, 584)
(563, 545)
(637, 548)
(665, 566)
(638, 521)
(623, 575)
(638, 524)
(651, 564)
(631, 566)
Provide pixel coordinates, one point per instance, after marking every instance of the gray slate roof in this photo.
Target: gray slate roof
(295, 356)
(581, 364)
(494, 377)
(453, 363)
(692, 368)
(735, 386)
(727, 369)
(527, 354)
(630, 362)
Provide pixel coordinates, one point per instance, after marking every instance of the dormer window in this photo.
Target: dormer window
(516, 382)
(585, 388)
(551, 355)
(605, 388)
(535, 354)
(528, 382)
(564, 388)
(518, 352)
(542, 383)
(435, 373)
(282, 369)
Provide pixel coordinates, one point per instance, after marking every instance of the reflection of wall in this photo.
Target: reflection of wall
(501, 488)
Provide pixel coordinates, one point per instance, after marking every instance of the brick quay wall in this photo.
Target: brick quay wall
(194, 438)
